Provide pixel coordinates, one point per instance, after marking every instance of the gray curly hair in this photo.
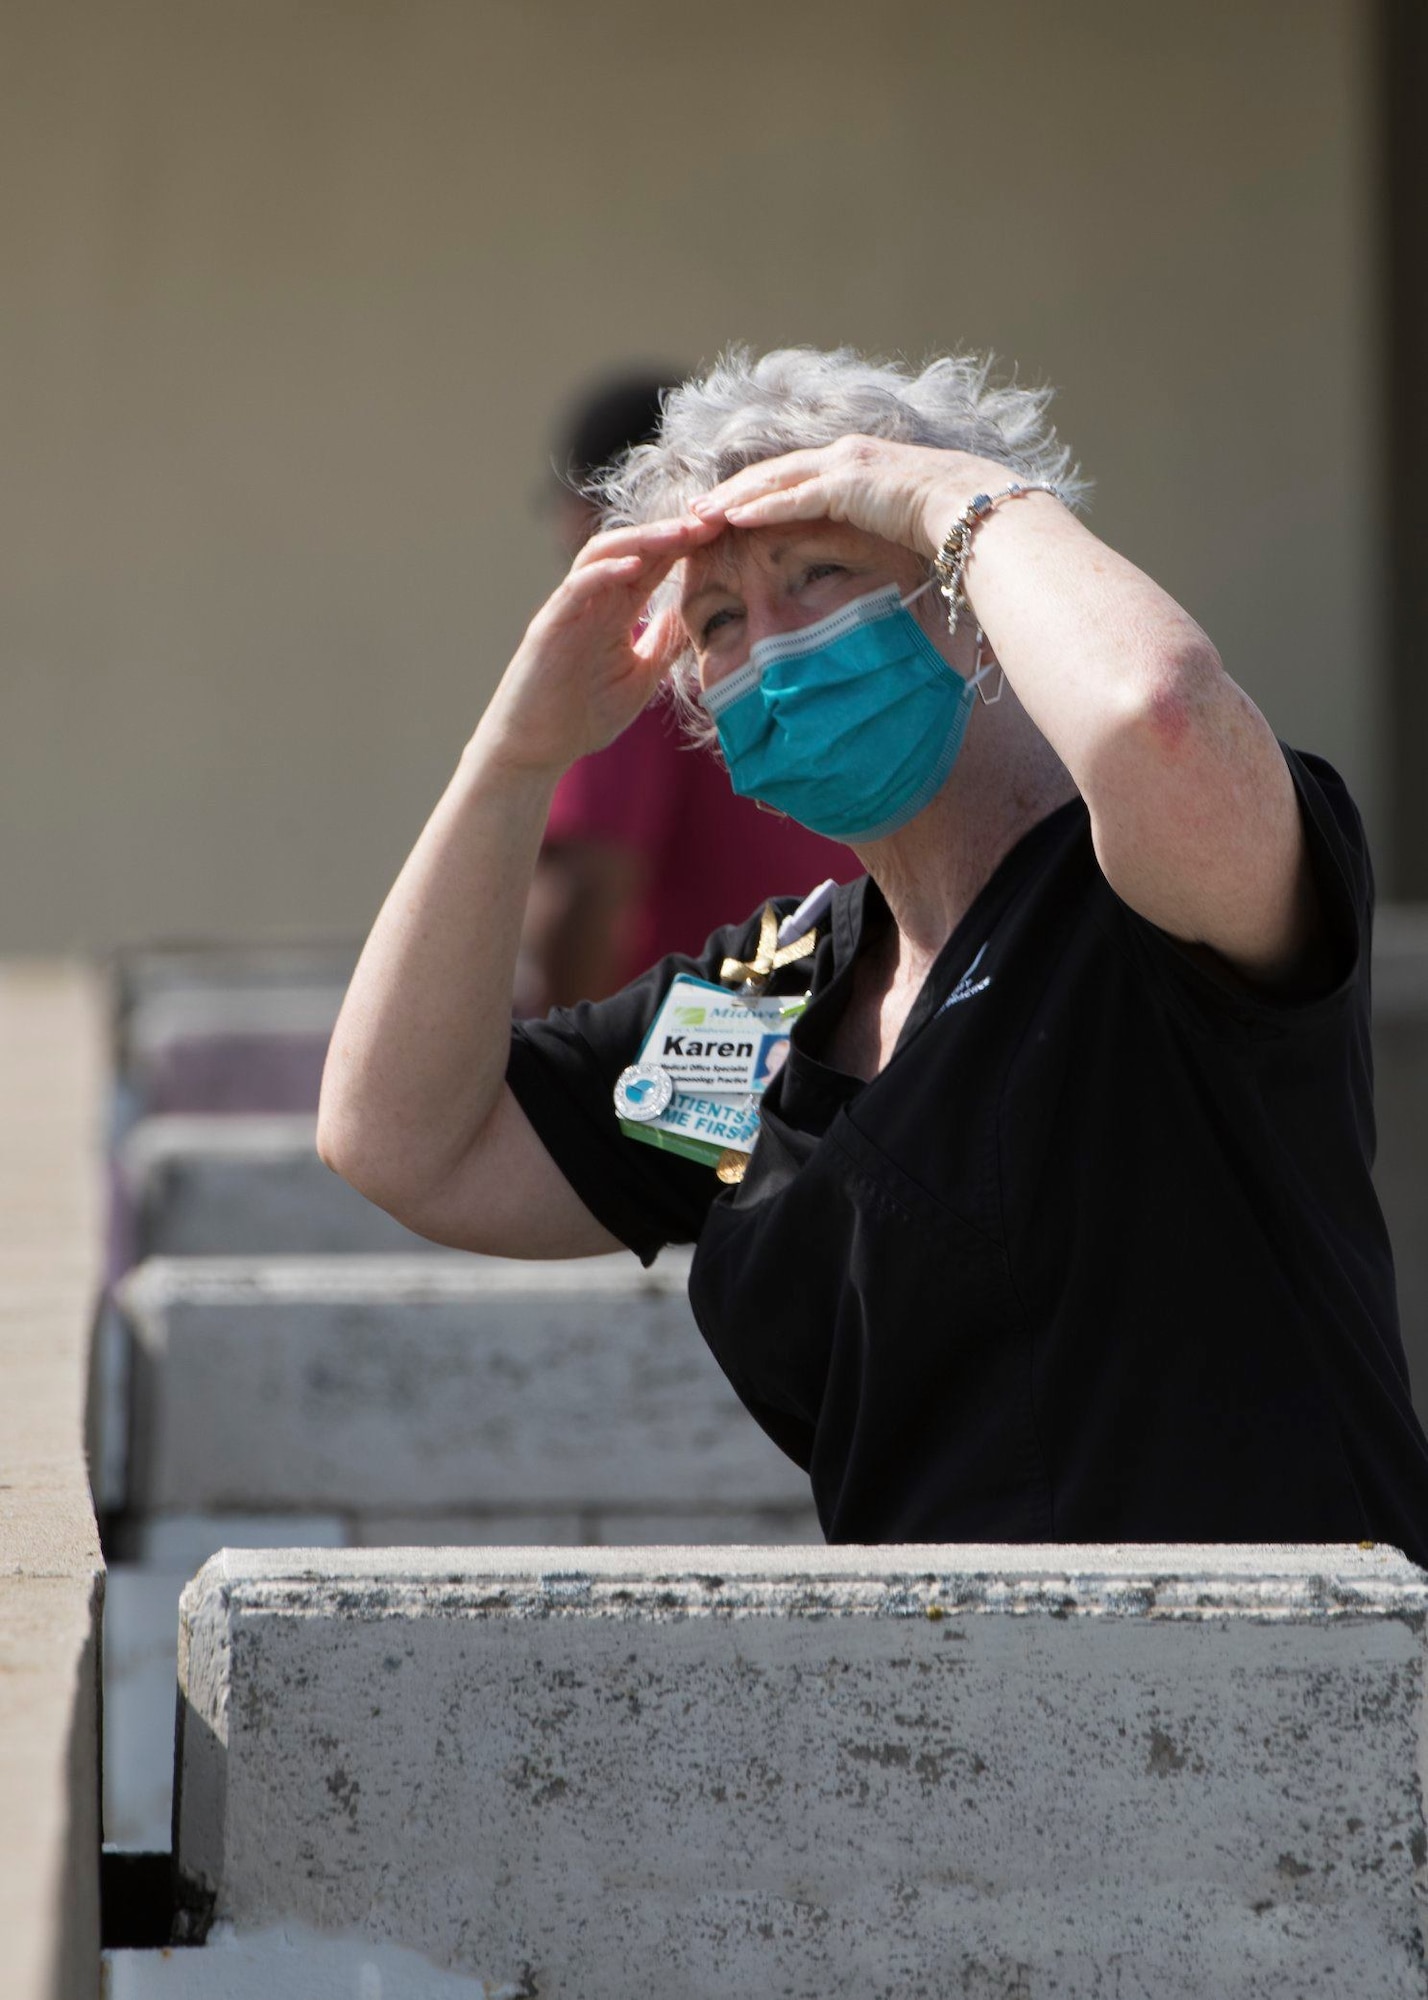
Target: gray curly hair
(750, 408)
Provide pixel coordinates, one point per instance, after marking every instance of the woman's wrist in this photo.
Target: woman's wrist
(974, 479)
(501, 755)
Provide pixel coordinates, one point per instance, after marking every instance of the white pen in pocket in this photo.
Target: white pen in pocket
(810, 911)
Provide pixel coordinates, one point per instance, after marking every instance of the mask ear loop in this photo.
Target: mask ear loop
(979, 669)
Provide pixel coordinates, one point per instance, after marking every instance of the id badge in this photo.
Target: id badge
(695, 1087)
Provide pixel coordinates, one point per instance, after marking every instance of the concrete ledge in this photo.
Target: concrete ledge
(51, 1572)
(246, 1185)
(983, 1771)
(382, 1385)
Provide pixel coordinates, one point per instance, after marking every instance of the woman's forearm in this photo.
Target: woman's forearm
(1193, 810)
(418, 1056)
(1102, 657)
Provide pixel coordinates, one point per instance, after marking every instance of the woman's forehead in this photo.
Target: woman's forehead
(743, 552)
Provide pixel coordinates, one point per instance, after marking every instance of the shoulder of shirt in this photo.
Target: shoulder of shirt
(1328, 805)
(1308, 762)
(1312, 773)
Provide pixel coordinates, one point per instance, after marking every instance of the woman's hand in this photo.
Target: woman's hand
(907, 493)
(582, 673)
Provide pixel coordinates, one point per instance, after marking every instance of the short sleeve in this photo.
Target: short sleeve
(562, 1071)
(1216, 1000)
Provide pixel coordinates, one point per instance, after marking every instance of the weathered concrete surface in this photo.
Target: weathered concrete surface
(245, 1185)
(384, 1386)
(51, 1572)
(1400, 1042)
(974, 1771)
(142, 1598)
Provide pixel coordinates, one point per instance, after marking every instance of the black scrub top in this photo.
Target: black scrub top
(1095, 1257)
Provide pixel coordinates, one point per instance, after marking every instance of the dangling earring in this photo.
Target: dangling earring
(980, 672)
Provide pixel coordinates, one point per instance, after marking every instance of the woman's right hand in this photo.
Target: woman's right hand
(582, 673)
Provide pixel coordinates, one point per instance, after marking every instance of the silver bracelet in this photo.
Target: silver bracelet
(949, 565)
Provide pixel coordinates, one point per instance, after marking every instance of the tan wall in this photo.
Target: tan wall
(287, 293)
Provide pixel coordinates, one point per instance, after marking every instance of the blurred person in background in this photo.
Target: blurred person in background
(646, 848)
(1054, 1219)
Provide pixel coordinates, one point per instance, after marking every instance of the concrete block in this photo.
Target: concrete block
(141, 1604)
(236, 1073)
(237, 1185)
(384, 1386)
(241, 1049)
(141, 973)
(863, 1772)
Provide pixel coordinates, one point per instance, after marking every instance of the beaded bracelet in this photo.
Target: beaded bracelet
(950, 563)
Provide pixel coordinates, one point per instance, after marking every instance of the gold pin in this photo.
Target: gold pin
(750, 976)
(730, 1167)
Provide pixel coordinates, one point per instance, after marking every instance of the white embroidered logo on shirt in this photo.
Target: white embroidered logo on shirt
(967, 986)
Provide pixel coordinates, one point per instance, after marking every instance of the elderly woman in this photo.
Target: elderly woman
(1056, 1220)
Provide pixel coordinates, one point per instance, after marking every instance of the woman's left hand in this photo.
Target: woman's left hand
(906, 493)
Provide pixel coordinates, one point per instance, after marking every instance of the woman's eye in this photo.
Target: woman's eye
(712, 624)
(816, 572)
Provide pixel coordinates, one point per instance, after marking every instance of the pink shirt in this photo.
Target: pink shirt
(712, 856)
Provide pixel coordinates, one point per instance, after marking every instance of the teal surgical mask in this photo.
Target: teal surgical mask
(850, 726)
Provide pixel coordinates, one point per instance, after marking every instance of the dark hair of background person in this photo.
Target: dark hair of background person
(608, 417)
(604, 419)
